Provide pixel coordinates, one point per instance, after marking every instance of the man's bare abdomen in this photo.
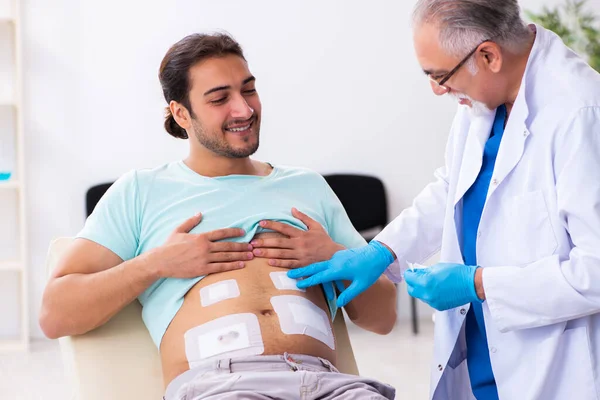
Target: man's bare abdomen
(256, 290)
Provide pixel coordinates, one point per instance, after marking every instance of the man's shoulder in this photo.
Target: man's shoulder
(144, 176)
(163, 169)
(296, 171)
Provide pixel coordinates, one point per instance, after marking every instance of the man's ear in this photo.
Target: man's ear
(490, 55)
(181, 114)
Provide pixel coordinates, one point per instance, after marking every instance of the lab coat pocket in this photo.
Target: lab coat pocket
(564, 367)
(527, 230)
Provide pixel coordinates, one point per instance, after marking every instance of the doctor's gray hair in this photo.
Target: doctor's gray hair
(465, 23)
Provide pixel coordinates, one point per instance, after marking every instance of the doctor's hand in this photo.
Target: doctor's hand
(361, 266)
(298, 248)
(443, 286)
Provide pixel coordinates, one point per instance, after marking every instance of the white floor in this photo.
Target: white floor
(399, 359)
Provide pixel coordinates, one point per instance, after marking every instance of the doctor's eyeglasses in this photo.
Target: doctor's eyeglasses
(440, 81)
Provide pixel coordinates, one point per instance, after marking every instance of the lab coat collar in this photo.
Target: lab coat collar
(479, 131)
(537, 57)
(516, 131)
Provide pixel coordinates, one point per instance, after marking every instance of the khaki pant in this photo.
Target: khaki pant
(282, 377)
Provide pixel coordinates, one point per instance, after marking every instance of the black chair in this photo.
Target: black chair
(93, 195)
(364, 199)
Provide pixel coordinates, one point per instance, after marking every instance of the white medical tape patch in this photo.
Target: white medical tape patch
(236, 335)
(299, 316)
(219, 291)
(283, 282)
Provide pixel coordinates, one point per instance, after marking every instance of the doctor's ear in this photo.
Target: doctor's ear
(491, 55)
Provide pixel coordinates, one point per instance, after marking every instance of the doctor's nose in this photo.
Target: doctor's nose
(438, 89)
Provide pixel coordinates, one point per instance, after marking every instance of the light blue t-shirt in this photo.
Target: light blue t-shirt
(143, 207)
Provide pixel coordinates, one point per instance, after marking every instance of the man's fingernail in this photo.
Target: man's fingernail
(250, 256)
(271, 262)
(258, 252)
(254, 242)
(241, 264)
(262, 223)
(250, 247)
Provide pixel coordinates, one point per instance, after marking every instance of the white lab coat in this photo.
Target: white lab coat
(538, 239)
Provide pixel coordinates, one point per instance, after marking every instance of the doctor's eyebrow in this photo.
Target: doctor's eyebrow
(219, 88)
(436, 72)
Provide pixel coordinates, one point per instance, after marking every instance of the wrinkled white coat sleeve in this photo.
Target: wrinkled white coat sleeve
(552, 290)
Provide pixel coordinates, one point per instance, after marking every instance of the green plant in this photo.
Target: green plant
(577, 27)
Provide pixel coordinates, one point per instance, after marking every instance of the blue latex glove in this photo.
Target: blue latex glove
(443, 286)
(362, 266)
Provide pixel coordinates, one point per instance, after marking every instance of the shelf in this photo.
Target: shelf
(7, 345)
(10, 266)
(13, 264)
(9, 184)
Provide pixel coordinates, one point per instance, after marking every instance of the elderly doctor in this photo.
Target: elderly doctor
(515, 211)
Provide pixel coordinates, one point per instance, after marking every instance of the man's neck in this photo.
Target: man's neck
(519, 65)
(213, 165)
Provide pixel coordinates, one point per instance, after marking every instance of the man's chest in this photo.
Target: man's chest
(244, 209)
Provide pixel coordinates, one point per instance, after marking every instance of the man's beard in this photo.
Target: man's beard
(217, 143)
(476, 108)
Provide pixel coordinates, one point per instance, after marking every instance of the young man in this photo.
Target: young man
(205, 244)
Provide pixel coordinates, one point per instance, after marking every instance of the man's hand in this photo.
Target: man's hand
(361, 266)
(299, 248)
(187, 255)
(443, 286)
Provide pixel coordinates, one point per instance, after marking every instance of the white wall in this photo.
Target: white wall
(340, 87)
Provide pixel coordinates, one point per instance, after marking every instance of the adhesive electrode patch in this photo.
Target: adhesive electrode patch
(283, 282)
(300, 316)
(236, 335)
(219, 291)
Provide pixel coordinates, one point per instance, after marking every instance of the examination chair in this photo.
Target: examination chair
(119, 361)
